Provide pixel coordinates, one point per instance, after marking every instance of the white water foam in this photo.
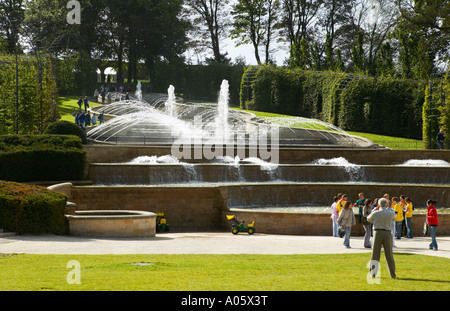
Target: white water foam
(428, 162)
(334, 162)
(167, 159)
(352, 169)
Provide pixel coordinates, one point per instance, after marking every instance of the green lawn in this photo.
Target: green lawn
(392, 142)
(68, 105)
(388, 141)
(345, 272)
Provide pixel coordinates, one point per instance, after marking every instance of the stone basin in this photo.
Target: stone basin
(113, 223)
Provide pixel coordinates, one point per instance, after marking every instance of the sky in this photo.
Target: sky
(280, 53)
(228, 45)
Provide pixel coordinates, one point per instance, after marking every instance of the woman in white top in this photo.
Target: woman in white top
(334, 217)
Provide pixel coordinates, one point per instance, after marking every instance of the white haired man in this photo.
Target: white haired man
(382, 219)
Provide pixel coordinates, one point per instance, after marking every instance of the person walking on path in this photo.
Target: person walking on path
(334, 217)
(80, 103)
(347, 220)
(433, 222)
(382, 219)
(86, 103)
(366, 211)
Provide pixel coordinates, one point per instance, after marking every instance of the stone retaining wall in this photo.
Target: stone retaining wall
(120, 154)
(193, 208)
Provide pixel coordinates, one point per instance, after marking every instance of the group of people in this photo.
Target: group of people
(83, 118)
(106, 94)
(402, 207)
(386, 218)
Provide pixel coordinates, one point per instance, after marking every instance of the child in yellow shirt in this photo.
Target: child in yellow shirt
(398, 219)
(408, 217)
(340, 204)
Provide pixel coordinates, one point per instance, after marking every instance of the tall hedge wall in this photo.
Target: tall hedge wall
(198, 82)
(384, 106)
(32, 209)
(436, 112)
(41, 158)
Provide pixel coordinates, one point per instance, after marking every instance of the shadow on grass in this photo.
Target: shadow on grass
(422, 280)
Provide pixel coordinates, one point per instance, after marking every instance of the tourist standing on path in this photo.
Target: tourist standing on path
(335, 216)
(403, 204)
(398, 218)
(360, 204)
(366, 211)
(433, 222)
(382, 219)
(340, 204)
(375, 203)
(390, 207)
(440, 139)
(408, 216)
(347, 220)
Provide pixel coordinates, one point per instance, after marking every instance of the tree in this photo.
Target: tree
(300, 56)
(385, 62)
(11, 17)
(254, 23)
(358, 58)
(335, 14)
(329, 57)
(339, 63)
(210, 24)
(37, 95)
(299, 19)
(424, 34)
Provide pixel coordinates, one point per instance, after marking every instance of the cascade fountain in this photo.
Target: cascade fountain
(153, 119)
(196, 194)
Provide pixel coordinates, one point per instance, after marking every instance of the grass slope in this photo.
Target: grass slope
(388, 141)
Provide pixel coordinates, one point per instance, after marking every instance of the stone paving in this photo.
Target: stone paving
(208, 243)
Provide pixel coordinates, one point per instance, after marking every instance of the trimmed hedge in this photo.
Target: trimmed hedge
(32, 209)
(41, 158)
(383, 106)
(66, 128)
